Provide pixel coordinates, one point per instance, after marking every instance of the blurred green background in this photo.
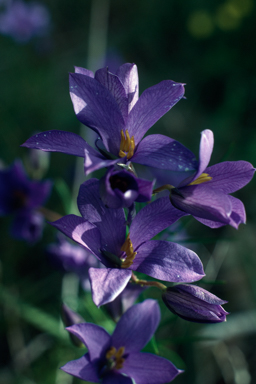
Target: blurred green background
(210, 46)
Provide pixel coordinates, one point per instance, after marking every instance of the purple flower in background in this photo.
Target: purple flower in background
(117, 359)
(206, 194)
(120, 188)
(73, 258)
(103, 232)
(193, 303)
(21, 197)
(22, 20)
(110, 105)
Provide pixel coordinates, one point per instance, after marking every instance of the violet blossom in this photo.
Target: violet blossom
(103, 232)
(120, 188)
(205, 195)
(110, 105)
(21, 198)
(193, 303)
(73, 258)
(117, 359)
(22, 20)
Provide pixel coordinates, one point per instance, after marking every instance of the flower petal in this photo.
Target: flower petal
(116, 378)
(128, 74)
(202, 201)
(95, 107)
(238, 215)
(153, 104)
(110, 222)
(137, 326)
(168, 261)
(113, 84)
(162, 152)
(93, 162)
(146, 368)
(84, 71)
(96, 339)
(152, 219)
(205, 151)
(83, 369)
(60, 141)
(230, 176)
(107, 283)
(81, 231)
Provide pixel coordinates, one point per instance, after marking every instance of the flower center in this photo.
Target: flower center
(201, 179)
(19, 199)
(127, 247)
(115, 357)
(127, 145)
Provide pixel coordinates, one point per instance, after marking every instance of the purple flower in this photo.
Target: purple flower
(73, 258)
(22, 21)
(117, 359)
(110, 105)
(103, 232)
(21, 197)
(120, 188)
(206, 194)
(193, 303)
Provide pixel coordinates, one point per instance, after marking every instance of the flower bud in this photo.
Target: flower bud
(69, 318)
(193, 303)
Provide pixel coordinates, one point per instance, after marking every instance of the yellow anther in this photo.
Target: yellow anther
(120, 352)
(116, 357)
(127, 145)
(201, 179)
(127, 247)
(111, 352)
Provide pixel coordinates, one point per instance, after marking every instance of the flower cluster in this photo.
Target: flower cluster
(22, 20)
(117, 240)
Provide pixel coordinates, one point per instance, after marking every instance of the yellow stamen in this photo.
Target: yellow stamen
(127, 145)
(201, 179)
(127, 247)
(116, 356)
(111, 352)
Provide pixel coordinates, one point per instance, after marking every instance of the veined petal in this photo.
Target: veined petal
(137, 326)
(115, 87)
(203, 201)
(237, 217)
(230, 176)
(128, 74)
(205, 151)
(81, 231)
(151, 105)
(60, 141)
(96, 339)
(83, 369)
(168, 261)
(93, 162)
(110, 222)
(146, 368)
(152, 219)
(107, 283)
(84, 71)
(162, 152)
(95, 107)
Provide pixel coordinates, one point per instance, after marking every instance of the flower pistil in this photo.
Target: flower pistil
(127, 145)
